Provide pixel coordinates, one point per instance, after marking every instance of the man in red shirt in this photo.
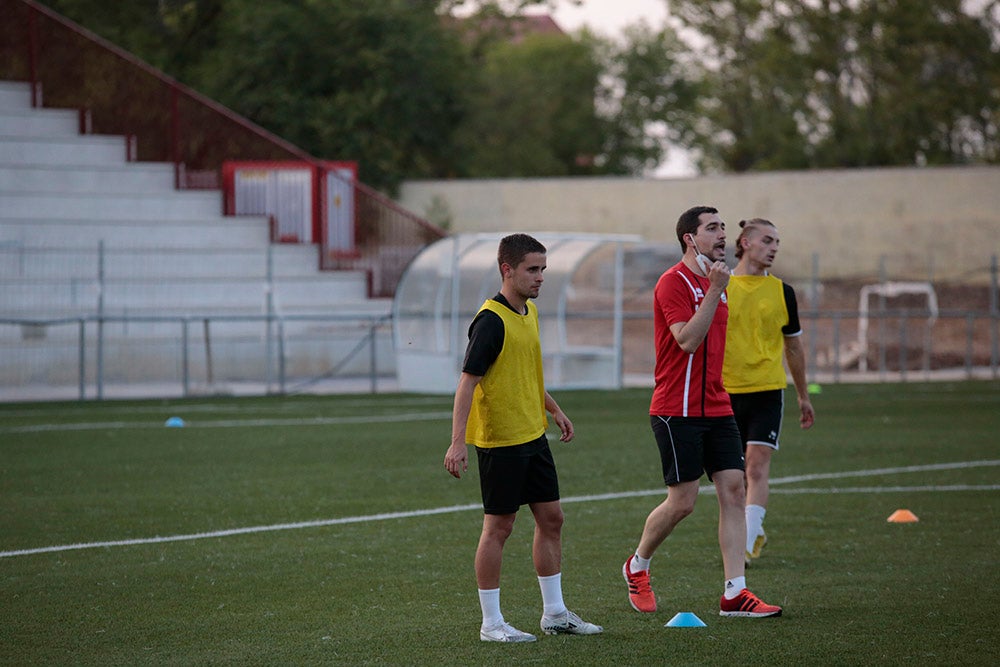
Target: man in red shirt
(691, 415)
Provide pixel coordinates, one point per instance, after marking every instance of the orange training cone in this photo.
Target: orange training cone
(902, 516)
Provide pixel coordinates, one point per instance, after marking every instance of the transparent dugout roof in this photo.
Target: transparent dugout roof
(579, 308)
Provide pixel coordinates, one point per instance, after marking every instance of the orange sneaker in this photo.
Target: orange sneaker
(640, 593)
(747, 604)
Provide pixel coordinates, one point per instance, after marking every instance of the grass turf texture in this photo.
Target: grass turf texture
(856, 589)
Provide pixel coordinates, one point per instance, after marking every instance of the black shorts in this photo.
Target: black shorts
(758, 416)
(691, 446)
(513, 476)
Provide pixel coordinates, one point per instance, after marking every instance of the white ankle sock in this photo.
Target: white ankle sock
(755, 523)
(552, 597)
(489, 601)
(638, 563)
(734, 586)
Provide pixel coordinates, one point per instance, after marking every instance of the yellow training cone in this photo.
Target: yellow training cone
(902, 516)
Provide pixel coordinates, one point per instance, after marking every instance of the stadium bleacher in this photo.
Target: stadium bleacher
(85, 231)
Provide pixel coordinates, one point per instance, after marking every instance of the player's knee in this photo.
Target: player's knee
(682, 507)
(551, 521)
(498, 529)
(756, 474)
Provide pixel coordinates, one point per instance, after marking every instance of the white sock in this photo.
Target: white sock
(734, 586)
(552, 597)
(638, 563)
(489, 600)
(755, 524)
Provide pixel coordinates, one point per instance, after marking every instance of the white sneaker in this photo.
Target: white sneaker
(570, 624)
(504, 632)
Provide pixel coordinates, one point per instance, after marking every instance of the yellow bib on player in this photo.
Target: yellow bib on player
(508, 405)
(754, 341)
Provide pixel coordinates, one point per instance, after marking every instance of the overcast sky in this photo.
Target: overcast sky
(608, 17)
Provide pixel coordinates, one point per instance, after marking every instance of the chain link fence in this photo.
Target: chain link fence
(125, 321)
(132, 321)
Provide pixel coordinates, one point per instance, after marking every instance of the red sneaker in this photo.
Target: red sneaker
(747, 604)
(640, 593)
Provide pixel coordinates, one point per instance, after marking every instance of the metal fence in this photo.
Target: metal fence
(94, 357)
(117, 322)
(113, 321)
(129, 356)
(879, 327)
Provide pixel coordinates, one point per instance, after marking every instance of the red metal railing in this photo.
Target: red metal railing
(386, 238)
(70, 67)
(165, 121)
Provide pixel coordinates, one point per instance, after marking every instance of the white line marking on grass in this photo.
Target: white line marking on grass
(886, 471)
(707, 489)
(221, 407)
(242, 531)
(230, 423)
(891, 489)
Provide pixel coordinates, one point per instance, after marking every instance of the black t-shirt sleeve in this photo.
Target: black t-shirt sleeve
(485, 342)
(793, 328)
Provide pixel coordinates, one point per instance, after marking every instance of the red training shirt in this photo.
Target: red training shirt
(687, 385)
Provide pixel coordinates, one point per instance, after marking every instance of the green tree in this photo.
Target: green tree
(171, 35)
(531, 110)
(374, 82)
(925, 85)
(646, 86)
(791, 85)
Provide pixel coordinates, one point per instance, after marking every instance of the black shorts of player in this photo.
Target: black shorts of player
(758, 416)
(518, 475)
(691, 446)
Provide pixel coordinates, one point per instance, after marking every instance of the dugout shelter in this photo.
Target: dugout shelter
(579, 307)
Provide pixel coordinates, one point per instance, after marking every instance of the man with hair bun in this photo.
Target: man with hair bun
(763, 324)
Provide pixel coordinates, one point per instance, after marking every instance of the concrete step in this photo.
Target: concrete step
(62, 322)
(66, 263)
(15, 95)
(83, 150)
(131, 177)
(172, 327)
(175, 205)
(221, 232)
(39, 122)
(194, 294)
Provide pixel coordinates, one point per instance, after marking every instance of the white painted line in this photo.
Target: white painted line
(886, 471)
(231, 423)
(707, 489)
(891, 489)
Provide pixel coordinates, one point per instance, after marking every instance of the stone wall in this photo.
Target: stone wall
(939, 223)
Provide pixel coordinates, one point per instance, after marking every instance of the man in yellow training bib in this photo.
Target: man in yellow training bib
(763, 323)
(500, 407)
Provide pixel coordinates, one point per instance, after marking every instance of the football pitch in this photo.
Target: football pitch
(324, 530)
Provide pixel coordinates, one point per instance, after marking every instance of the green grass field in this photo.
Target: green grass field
(324, 530)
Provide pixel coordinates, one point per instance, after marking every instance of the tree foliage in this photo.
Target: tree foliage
(835, 83)
(531, 111)
(376, 82)
(743, 84)
(646, 88)
(172, 35)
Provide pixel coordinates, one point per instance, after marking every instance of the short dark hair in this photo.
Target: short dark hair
(746, 226)
(515, 247)
(688, 222)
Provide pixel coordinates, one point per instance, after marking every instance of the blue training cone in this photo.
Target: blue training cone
(685, 619)
(174, 422)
